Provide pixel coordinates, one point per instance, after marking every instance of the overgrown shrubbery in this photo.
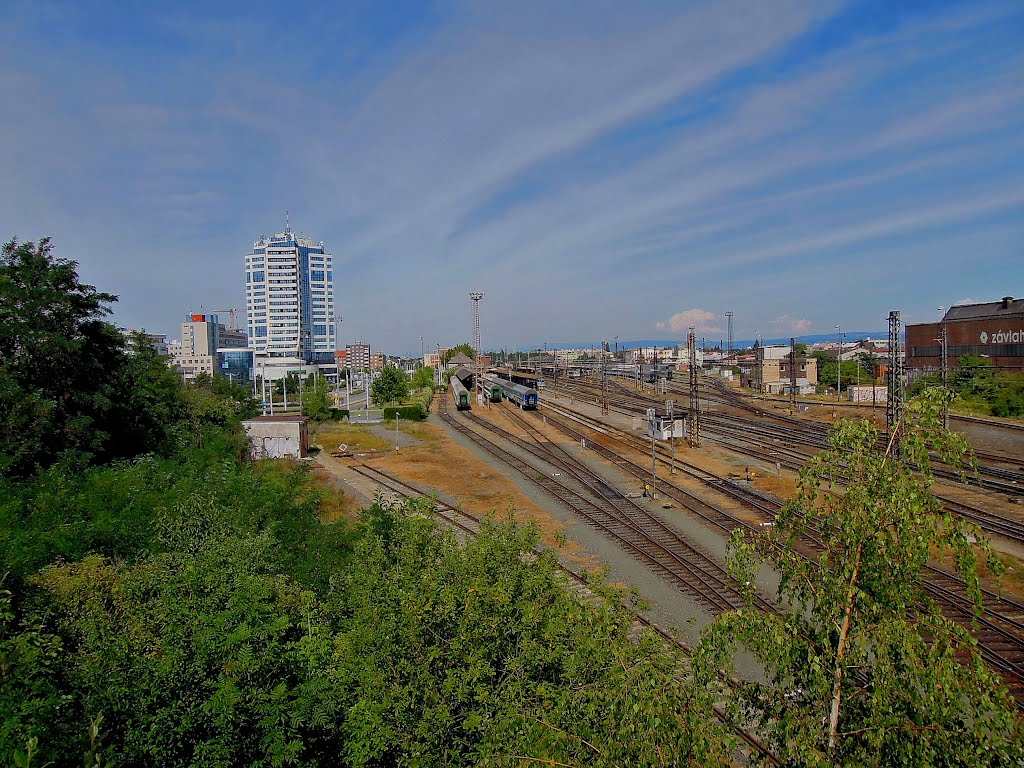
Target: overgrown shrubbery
(979, 388)
(216, 651)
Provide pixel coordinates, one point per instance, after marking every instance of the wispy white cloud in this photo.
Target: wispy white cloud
(592, 172)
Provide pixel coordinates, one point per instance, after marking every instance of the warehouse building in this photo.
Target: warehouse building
(994, 330)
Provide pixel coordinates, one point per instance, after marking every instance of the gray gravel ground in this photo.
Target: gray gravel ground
(670, 608)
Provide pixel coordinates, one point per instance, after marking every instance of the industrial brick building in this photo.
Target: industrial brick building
(994, 330)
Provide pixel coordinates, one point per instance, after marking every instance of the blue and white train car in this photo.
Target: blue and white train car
(525, 397)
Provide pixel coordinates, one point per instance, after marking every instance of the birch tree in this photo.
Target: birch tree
(861, 667)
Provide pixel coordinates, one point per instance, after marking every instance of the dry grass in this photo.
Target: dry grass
(438, 462)
(336, 505)
(357, 437)
(1012, 582)
(782, 488)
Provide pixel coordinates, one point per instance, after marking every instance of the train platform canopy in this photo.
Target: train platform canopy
(463, 374)
(513, 374)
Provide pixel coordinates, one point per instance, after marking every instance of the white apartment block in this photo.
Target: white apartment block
(289, 299)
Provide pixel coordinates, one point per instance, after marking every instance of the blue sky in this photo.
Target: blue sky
(600, 169)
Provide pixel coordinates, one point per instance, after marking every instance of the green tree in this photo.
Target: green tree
(60, 362)
(390, 386)
(316, 399)
(863, 668)
(423, 378)
(289, 384)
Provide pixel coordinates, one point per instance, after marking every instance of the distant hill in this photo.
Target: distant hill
(813, 338)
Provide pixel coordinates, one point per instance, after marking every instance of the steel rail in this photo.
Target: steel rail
(451, 515)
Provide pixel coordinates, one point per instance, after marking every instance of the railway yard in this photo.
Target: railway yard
(665, 510)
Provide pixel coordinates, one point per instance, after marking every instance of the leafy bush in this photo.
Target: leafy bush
(406, 412)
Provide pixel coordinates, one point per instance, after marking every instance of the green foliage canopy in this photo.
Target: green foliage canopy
(389, 386)
(863, 667)
(57, 355)
(316, 399)
(70, 390)
(423, 378)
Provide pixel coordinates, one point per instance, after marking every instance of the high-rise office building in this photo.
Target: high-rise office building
(289, 299)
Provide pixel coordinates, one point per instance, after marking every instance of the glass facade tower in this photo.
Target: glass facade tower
(289, 299)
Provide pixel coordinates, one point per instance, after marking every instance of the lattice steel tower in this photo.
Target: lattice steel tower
(894, 407)
(729, 356)
(476, 296)
(694, 431)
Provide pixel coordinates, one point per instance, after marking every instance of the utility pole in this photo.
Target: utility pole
(792, 374)
(944, 340)
(729, 357)
(694, 432)
(894, 407)
(759, 363)
(604, 381)
(670, 411)
(652, 423)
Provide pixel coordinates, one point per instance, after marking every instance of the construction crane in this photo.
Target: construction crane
(232, 317)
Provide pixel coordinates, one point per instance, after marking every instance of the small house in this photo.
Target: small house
(278, 437)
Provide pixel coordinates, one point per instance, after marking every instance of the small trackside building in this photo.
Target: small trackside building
(994, 330)
(278, 437)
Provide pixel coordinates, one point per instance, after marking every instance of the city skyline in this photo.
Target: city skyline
(627, 172)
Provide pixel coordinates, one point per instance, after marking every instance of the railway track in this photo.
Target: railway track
(999, 631)
(640, 533)
(988, 476)
(468, 525)
(791, 450)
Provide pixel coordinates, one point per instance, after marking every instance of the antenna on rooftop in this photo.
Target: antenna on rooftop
(287, 221)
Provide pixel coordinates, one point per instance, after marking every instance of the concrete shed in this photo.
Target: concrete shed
(277, 437)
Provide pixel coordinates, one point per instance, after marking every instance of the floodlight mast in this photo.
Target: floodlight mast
(476, 297)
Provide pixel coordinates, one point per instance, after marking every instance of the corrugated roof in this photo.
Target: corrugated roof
(1007, 307)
